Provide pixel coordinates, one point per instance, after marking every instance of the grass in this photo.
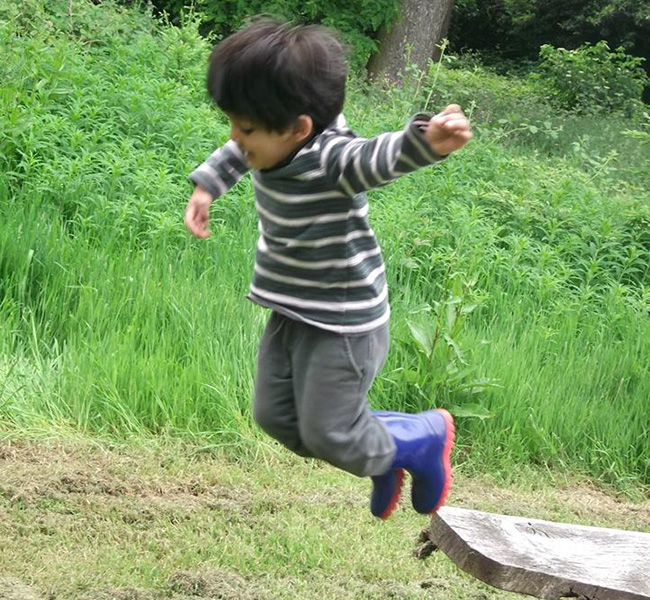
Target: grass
(93, 519)
(115, 322)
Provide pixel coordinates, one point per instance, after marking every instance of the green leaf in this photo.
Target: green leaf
(423, 335)
(456, 375)
(475, 411)
(456, 347)
(465, 310)
(409, 263)
(477, 386)
(457, 289)
(411, 376)
(451, 315)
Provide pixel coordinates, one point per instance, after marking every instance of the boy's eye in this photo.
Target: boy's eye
(246, 130)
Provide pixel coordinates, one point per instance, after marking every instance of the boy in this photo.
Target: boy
(318, 266)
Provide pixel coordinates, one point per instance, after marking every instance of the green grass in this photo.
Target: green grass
(90, 519)
(114, 321)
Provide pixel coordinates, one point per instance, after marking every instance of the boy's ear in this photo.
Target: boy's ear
(303, 128)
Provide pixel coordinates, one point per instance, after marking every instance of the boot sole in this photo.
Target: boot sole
(446, 456)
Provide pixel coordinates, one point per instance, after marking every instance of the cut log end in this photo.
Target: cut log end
(545, 559)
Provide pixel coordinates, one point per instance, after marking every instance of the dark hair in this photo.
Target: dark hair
(273, 72)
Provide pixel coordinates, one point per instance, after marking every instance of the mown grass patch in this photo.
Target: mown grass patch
(159, 518)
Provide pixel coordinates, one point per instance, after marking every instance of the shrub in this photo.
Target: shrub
(592, 78)
(357, 22)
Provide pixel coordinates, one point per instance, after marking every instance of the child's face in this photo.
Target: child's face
(262, 148)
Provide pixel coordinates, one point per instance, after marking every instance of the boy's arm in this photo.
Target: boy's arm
(361, 164)
(222, 170)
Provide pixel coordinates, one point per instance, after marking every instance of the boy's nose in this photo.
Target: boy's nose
(233, 135)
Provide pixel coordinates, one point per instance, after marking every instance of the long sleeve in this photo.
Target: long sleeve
(358, 164)
(222, 170)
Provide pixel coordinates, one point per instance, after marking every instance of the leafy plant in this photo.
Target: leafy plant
(518, 126)
(442, 371)
(592, 78)
(643, 133)
(507, 31)
(357, 22)
(592, 161)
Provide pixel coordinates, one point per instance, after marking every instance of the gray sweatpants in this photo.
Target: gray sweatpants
(310, 394)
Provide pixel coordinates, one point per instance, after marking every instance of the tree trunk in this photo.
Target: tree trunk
(412, 39)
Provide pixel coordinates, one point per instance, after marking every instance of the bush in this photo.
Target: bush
(357, 22)
(592, 78)
(515, 30)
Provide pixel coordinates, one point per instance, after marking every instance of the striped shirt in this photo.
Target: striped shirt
(317, 258)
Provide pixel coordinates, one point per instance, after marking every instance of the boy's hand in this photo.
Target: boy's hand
(448, 131)
(197, 212)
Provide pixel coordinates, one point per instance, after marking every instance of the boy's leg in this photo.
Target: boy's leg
(274, 406)
(332, 375)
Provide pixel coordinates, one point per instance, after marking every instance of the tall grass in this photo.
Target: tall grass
(114, 320)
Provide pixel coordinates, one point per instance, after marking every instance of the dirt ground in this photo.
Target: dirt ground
(62, 501)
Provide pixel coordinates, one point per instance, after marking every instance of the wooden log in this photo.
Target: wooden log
(545, 559)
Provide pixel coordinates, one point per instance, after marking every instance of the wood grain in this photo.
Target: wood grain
(545, 559)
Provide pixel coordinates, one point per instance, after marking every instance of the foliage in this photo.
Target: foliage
(117, 322)
(592, 78)
(519, 110)
(443, 374)
(517, 28)
(643, 133)
(357, 21)
(73, 119)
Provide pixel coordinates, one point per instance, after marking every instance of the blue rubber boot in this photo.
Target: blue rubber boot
(423, 448)
(386, 491)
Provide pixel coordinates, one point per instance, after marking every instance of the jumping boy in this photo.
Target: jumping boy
(318, 266)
